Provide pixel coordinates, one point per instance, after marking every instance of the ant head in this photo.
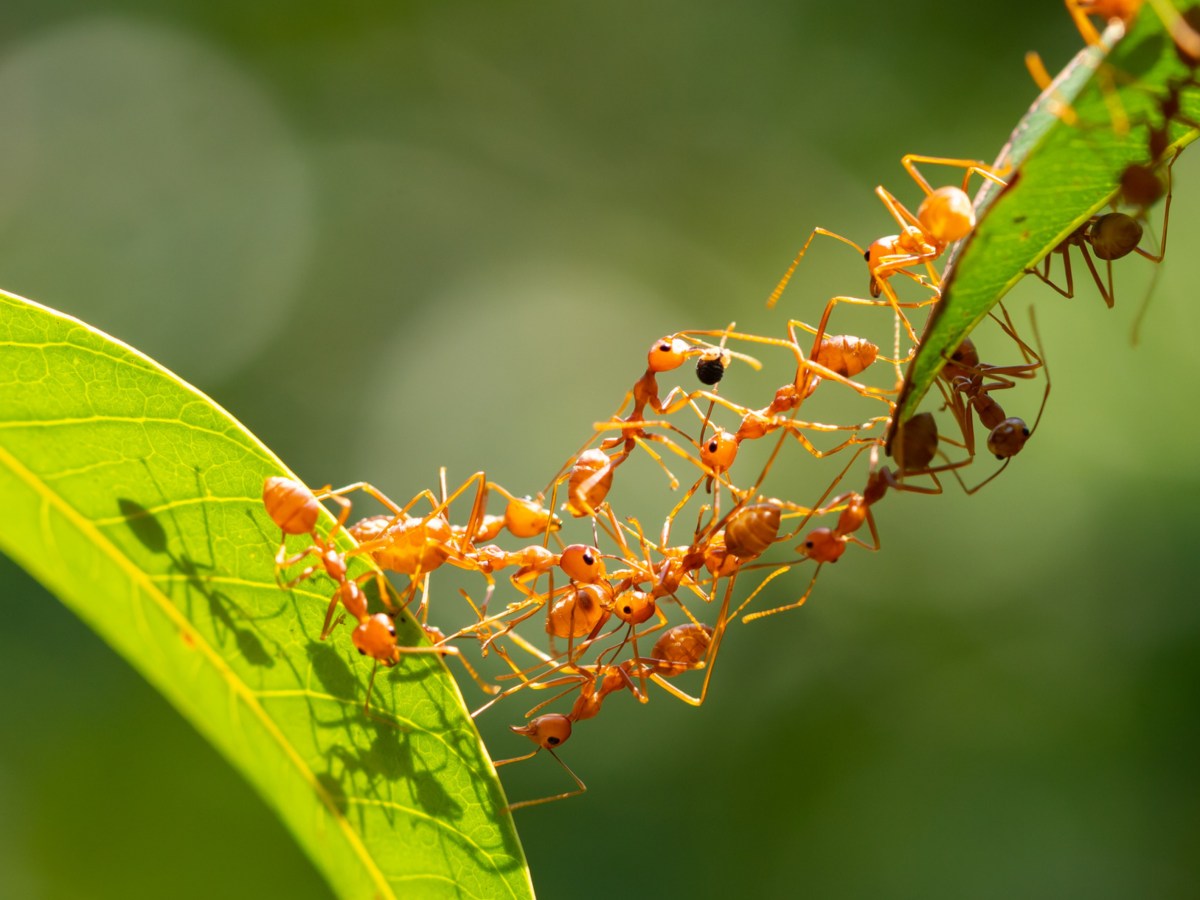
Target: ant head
(582, 563)
(946, 215)
(375, 637)
(823, 546)
(1007, 438)
(1115, 235)
(888, 245)
(634, 607)
(710, 367)
(719, 451)
(667, 353)
(548, 731)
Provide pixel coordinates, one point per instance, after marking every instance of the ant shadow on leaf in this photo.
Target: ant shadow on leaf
(227, 616)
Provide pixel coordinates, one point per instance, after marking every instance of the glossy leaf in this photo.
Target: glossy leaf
(136, 500)
(1059, 175)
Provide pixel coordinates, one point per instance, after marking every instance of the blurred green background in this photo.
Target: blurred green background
(394, 237)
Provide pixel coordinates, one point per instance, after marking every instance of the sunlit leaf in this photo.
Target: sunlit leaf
(136, 500)
(1059, 174)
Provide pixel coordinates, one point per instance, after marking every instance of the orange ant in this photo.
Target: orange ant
(576, 610)
(916, 448)
(591, 470)
(833, 358)
(944, 216)
(295, 509)
(548, 732)
(418, 545)
(826, 545)
(684, 650)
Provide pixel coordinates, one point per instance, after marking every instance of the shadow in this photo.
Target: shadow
(228, 617)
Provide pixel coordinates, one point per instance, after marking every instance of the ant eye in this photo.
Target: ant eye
(552, 740)
(808, 544)
(1025, 431)
(362, 652)
(867, 255)
(999, 456)
(712, 446)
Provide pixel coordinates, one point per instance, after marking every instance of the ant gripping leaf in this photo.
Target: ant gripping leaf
(1061, 174)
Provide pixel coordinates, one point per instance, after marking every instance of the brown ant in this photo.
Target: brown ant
(967, 386)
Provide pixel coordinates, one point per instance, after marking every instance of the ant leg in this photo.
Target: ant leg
(1058, 104)
(1043, 274)
(778, 609)
(972, 166)
(563, 796)
(787, 276)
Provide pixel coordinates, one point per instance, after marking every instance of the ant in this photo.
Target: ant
(916, 449)
(418, 545)
(548, 732)
(1115, 235)
(589, 471)
(833, 358)
(295, 509)
(967, 386)
(1111, 236)
(681, 649)
(944, 216)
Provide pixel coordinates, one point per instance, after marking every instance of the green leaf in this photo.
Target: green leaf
(1059, 175)
(137, 500)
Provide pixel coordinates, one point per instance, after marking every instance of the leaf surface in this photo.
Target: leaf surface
(137, 501)
(1059, 175)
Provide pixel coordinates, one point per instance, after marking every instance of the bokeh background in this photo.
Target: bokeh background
(390, 237)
